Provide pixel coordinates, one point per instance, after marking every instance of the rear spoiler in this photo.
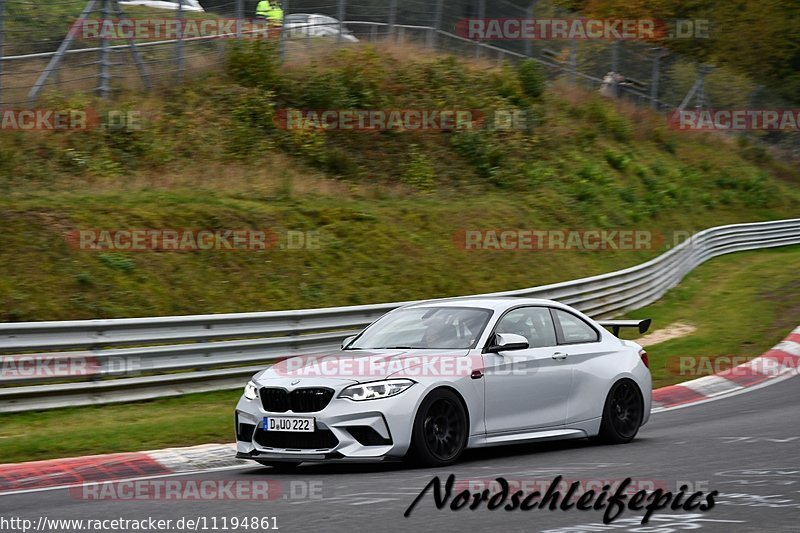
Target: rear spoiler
(615, 325)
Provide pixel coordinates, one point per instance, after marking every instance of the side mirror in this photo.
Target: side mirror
(347, 341)
(506, 342)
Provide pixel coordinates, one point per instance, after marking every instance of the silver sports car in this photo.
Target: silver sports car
(429, 380)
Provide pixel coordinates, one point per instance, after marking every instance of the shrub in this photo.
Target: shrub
(593, 173)
(532, 78)
(617, 160)
(419, 172)
(479, 151)
(255, 64)
(117, 262)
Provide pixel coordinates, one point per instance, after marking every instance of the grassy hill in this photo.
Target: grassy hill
(387, 205)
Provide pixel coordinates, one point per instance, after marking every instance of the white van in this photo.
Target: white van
(188, 5)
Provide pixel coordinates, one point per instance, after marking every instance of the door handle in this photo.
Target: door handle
(560, 356)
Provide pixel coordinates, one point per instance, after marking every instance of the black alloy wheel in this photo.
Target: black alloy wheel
(440, 429)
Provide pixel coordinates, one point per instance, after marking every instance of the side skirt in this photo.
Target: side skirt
(481, 441)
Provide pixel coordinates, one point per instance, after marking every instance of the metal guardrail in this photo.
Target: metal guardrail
(142, 358)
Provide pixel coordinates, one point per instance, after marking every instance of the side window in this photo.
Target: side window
(575, 330)
(533, 323)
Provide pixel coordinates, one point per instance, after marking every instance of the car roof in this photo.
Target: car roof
(496, 303)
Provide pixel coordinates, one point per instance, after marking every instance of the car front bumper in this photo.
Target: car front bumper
(366, 431)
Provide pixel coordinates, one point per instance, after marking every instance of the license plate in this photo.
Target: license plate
(290, 424)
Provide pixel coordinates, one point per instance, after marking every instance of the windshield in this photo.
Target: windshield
(432, 328)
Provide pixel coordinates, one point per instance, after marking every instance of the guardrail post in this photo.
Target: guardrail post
(754, 94)
(614, 67)
(341, 13)
(614, 56)
(655, 75)
(283, 36)
(103, 73)
(179, 44)
(239, 18)
(698, 88)
(392, 18)
(2, 29)
(481, 15)
(573, 60)
(529, 13)
(705, 70)
(433, 34)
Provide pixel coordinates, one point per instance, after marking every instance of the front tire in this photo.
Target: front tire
(439, 434)
(623, 413)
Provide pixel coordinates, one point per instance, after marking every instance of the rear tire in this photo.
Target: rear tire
(622, 414)
(439, 435)
(280, 467)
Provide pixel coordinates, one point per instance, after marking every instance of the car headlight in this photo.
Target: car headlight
(251, 391)
(376, 389)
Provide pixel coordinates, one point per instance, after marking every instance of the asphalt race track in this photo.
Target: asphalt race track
(747, 447)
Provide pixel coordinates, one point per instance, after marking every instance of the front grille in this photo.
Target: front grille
(306, 400)
(309, 400)
(320, 439)
(274, 400)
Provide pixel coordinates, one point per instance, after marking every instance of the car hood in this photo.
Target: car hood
(359, 366)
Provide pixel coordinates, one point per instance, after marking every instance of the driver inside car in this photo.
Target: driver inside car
(441, 334)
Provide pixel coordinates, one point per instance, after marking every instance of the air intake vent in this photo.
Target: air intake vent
(367, 436)
(321, 439)
(245, 433)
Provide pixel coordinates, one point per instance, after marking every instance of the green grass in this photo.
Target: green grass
(181, 421)
(741, 304)
(370, 250)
